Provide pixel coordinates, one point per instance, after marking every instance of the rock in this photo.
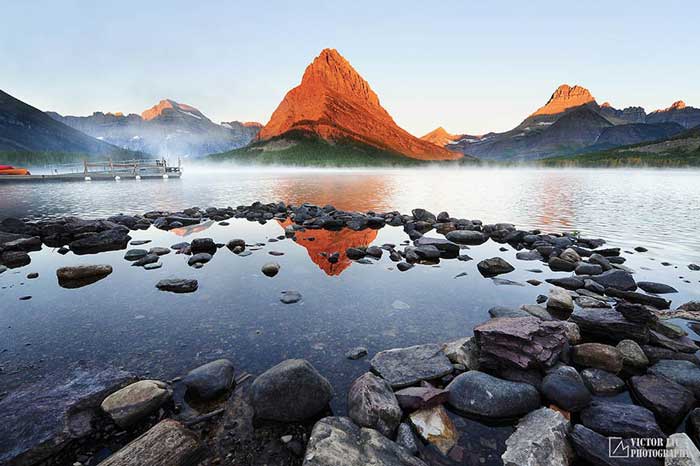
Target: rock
(136, 402)
(596, 449)
(691, 306)
(557, 264)
(618, 279)
(608, 325)
(681, 451)
(210, 380)
(677, 344)
(3, 269)
(537, 311)
(439, 243)
(270, 269)
(656, 354)
(621, 420)
(374, 251)
(355, 253)
(236, 245)
(502, 311)
(568, 283)
(158, 251)
(639, 298)
(42, 418)
(682, 372)
(657, 288)
(469, 237)
(565, 388)
(540, 439)
(291, 391)
(336, 441)
(632, 354)
(404, 266)
(462, 351)
(528, 256)
(694, 267)
(593, 287)
(168, 443)
(178, 285)
(290, 297)
(146, 260)
(480, 394)
(15, 259)
(414, 398)
(406, 439)
(108, 240)
(602, 383)
(203, 245)
(520, 343)
(494, 266)
(153, 266)
(573, 334)
(356, 353)
(570, 255)
(81, 275)
(199, 258)
(371, 403)
(135, 254)
(560, 300)
(669, 401)
(403, 367)
(588, 302)
(599, 356)
(435, 427)
(588, 269)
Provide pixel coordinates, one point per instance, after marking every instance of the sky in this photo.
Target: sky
(471, 67)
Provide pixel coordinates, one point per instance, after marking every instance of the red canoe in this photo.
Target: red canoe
(6, 167)
(14, 171)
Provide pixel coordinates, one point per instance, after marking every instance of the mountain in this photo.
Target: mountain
(24, 128)
(335, 104)
(167, 129)
(679, 112)
(634, 133)
(624, 116)
(563, 99)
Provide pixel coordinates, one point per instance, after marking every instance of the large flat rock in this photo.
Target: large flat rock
(403, 367)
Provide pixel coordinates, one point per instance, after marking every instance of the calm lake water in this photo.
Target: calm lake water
(236, 312)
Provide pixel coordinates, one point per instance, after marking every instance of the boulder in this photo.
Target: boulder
(682, 372)
(435, 427)
(135, 402)
(681, 451)
(406, 438)
(439, 243)
(371, 403)
(469, 237)
(494, 266)
(210, 380)
(565, 388)
(135, 254)
(618, 279)
(639, 298)
(108, 240)
(480, 394)
(596, 449)
(633, 356)
(669, 401)
(559, 300)
(656, 288)
(520, 342)
(81, 275)
(608, 325)
(291, 391)
(403, 367)
(540, 439)
(599, 356)
(336, 441)
(602, 383)
(199, 258)
(568, 283)
(178, 285)
(621, 420)
(206, 245)
(15, 259)
(557, 264)
(414, 398)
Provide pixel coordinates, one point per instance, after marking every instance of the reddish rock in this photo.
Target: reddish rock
(413, 398)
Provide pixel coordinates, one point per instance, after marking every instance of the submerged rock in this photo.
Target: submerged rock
(402, 367)
(290, 297)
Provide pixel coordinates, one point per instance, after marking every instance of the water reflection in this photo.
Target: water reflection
(192, 229)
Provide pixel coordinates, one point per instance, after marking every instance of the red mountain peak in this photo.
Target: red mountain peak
(564, 98)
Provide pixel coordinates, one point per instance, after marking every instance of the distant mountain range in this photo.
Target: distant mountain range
(168, 129)
(572, 122)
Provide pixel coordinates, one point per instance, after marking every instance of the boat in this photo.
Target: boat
(96, 171)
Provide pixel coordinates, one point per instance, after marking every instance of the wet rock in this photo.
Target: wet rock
(210, 380)
(639, 298)
(602, 383)
(565, 388)
(159, 251)
(178, 285)
(371, 403)
(290, 297)
(291, 391)
(657, 288)
(588, 302)
(521, 342)
(338, 441)
(108, 240)
(146, 260)
(481, 394)
(694, 267)
(42, 418)
(469, 237)
(403, 367)
(135, 254)
(599, 356)
(537, 311)
(618, 279)
(502, 311)
(540, 439)
(439, 243)
(236, 245)
(428, 253)
(632, 355)
(356, 353)
(135, 402)
(568, 283)
(608, 325)
(588, 269)
(203, 245)
(199, 258)
(677, 344)
(680, 451)
(656, 354)
(15, 259)
(560, 300)
(669, 401)
(81, 275)
(682, 372)
(270, 269)
(435, 427)
(621, 420)
(404, 266)
(595, 448)
(355, 253)
(528, 255)
(557, 264)
(374, 251)
(414, 398)
(153, 266)
(494, 266)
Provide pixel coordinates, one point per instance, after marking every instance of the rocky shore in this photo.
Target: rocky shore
(593, 363)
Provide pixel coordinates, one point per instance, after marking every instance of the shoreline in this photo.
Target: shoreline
(562, 352)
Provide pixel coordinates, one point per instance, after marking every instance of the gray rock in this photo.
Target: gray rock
(560, 265)
(79, 274)
(669, 401)
(533, 255)
(356, 353)
(657, 288)
(599, 356)
(146, 260)
(403, 367)
(540, 439)
(178, 285)
(291, 391)
(136, 402)
(159, 251)
(681, 451)
(153, 266)
(494, 266)
(632, 354)
(502, 311)
(462, 351)
(469, 237)
(270, 269)
(481, 394)
(568, 283)
(608, 325)
(337, 441)
(441, 244)
(565, 388)
(290, 297)
(560, 300)
(135, 254)
(618, 279)
(682, 372)
(108, 240)
(621, 420)
(210, 380)
(588, 269)
(199, 258)
(537, 311)
(406, 439)
(602, 383)
(595, 448)
(371, 403)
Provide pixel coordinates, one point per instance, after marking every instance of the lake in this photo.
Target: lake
(236, 313)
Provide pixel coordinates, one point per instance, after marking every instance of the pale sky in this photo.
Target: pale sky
(471, 67)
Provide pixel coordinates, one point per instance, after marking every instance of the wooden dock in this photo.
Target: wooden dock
(105, 171)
